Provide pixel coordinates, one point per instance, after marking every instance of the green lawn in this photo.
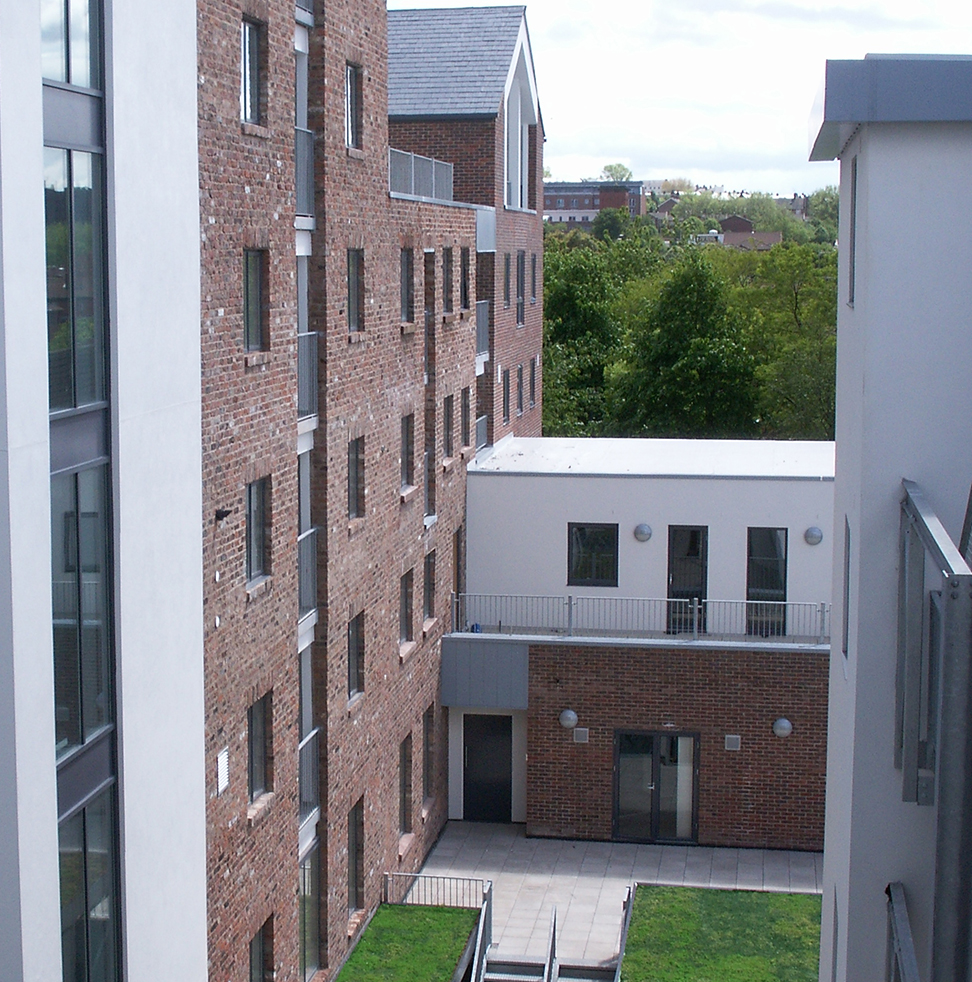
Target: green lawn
(410, 944)
(680, 934)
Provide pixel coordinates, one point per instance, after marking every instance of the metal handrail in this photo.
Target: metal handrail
(550, 967)
(625, 924)
(641, 617)
(484, 934)
(482, 431)
(902, 963)
(425, 890)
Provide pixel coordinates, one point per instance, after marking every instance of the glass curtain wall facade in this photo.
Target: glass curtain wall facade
(81, 507)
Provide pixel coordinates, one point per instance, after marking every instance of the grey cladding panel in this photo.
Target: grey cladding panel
(485, 674)
(72, 119)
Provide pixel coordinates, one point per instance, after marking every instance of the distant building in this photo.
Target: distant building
(581, 202)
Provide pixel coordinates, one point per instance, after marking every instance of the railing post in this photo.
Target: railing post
(455, 612)
(823, 622)
(570, 616)
(695, 617)
(384, 889)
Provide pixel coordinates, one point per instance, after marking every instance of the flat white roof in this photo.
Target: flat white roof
(801, 460)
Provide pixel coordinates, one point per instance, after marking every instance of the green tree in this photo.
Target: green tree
(616, 172)
(611, 223)
(822, 214)
(685, 370)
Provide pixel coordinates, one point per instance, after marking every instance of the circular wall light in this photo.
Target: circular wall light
(642, 532)
(813, 536)
(782, 727)
(568, 719)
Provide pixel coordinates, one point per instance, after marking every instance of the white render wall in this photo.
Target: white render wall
(517, 530)
(154, 268)
(904, 410)
(30, 924)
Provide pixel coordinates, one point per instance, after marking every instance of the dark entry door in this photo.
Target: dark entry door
(655, 787)
(488, 771)
(688, 561)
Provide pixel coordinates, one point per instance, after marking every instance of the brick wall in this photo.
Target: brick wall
(369, 381)
(249, 431)
(770, 793)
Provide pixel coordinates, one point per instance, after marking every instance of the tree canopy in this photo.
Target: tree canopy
(616, 172)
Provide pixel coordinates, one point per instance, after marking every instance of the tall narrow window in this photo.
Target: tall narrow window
(309, 905)
(852, 236)
(308, 750)
(408, 450)
(258, 529)
(458, 562)
(356, 290)
(519, 390)
(408, 285)
(448, 421)
(447, 281)
(356, 897)
(506, 280)
(845, 613)
(306, 539)
(352, 106)
(520, 286)
(428, 752)
(465, 420)
(533, 278)
(464, 278)
(506, 395)
(261, 953)
(428, 605)
(356, 655)
(254, 299)
(259, 737)
(405, 785)
(405, 608)
(533, 382)
(356, 478)
(766, 582)
(251, 70)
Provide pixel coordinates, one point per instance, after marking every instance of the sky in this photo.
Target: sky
(716, 91)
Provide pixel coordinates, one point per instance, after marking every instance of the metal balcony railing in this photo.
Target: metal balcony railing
(482, 431)
(482, 327)
(902, 963)
(307, 571)
(420, 889)
(310, 797)
(423, 177)
(307, 374)
(306, 5)
(636, 617)
(304, 157)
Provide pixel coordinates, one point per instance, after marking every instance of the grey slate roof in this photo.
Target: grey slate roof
(450, 62)
(889, 89)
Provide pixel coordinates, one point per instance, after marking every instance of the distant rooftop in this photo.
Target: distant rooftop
(800, 460)
(452, 61)
(888, 89)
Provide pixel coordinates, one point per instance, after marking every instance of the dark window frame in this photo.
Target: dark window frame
(465, 417)
(506, 280)
(256, 334)
(356, 655)
(356, 891)
(447, 280)
(520, 287)
(519, 390)
(428, 753)
(357, 488)
(261, 953)
(464, 293)
(353, 106)
(408, 285)
(252, 73)
(259, 742)
(581, 554)
(405, 786)
(448, 427)
(428, 587)
(533, 277)
(506, 395)
(258, 529)
(408, 451)
(533, 382)
(356, 291)
(406, 629)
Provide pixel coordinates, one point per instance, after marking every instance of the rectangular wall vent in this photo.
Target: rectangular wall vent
(581, 734)
(222, 770)
(733, 741)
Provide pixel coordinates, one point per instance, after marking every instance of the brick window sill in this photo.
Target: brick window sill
(255, 129)
(258, 587)
(448, 463)
(427, 807)
(259, 809)
(356, 337)
(449, 318)
(355, 527)
(256, 359)
(355, 919)
(429, 625)
(408, 327)
(404, 844)
(467, 451)
(356, 153)
(355, 703)
(405, 649)
(409, 491)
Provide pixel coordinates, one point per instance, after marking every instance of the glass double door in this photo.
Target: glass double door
(656, 776)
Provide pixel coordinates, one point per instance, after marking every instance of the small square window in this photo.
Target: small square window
(592, 554)
(408, 285)
(251, 72)
(259, 742)
(448, 422)
(352, 106)
(356, 478)
(258, 529)
(405, 608)
(356, 290)
(408, 450)
(356, 655)
(255, 299)
(428, 607)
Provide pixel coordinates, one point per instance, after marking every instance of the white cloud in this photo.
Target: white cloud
(715, 90)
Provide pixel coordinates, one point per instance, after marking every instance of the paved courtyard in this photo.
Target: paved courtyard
(587, 881)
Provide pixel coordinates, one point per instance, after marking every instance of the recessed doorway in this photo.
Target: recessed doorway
(487, 768)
